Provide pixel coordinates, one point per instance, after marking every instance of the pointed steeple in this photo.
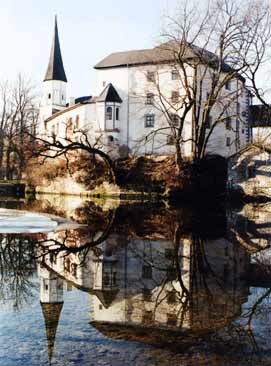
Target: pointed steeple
(55, 69)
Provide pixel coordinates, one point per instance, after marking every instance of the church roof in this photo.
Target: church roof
(109, 94)
(55, 69)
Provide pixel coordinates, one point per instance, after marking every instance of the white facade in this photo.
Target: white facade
(130, 124)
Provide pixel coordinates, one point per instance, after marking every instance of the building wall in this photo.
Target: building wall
(133, 85)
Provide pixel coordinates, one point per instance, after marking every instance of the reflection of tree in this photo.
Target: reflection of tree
(99, 225)
(17, 265)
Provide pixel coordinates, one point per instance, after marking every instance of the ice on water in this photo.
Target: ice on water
(15, 221)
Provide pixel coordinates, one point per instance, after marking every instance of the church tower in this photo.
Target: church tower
(55, 81)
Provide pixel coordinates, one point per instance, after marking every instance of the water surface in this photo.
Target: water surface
(135, 284)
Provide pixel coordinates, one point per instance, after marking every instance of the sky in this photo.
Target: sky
(89, 30)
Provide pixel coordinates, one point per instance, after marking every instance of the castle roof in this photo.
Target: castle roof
(165, 53)
(55, 69)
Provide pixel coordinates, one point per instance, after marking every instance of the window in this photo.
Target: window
(146, 294)
(209, 122)
(110, 139)
(106, 280)
(228, 141)
(238, 108)
(175, 120)
(170, 140)
(77, 121)
(174, 96)
(149, 120)
(52, 255)
(228, 85)
(108, 114)
(114, 279)
(237, 126)
(74, 269)
(228, 123)
(171, 297)
(169, 253)
(117, 114)
(147, 317)
(67, 265)
(150, 98)
(175, 75)
(171, 274)
(251, 171)
(62, 97)
(146, 271)
(49, 96)
(151, 76)
(171, 320)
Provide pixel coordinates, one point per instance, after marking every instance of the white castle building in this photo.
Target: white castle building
(124, 110)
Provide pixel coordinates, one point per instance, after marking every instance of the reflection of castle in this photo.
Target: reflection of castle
(204, 293)
(141, 284)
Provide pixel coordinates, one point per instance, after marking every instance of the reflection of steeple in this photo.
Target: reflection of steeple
(51, 314)
(51, 300)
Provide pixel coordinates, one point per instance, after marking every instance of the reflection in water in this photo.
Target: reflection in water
(162, 277)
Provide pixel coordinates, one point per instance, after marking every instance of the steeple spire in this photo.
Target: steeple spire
(55, 69)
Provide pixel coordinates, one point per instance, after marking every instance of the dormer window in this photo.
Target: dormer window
(109, 113)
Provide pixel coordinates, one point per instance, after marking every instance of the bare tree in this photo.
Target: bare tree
(212, 51)
(18, 114)
(68, 147)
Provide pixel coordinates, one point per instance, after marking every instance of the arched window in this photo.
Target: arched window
(117, 114)
(108, 115)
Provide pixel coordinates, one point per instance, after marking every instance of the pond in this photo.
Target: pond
(114, 283)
